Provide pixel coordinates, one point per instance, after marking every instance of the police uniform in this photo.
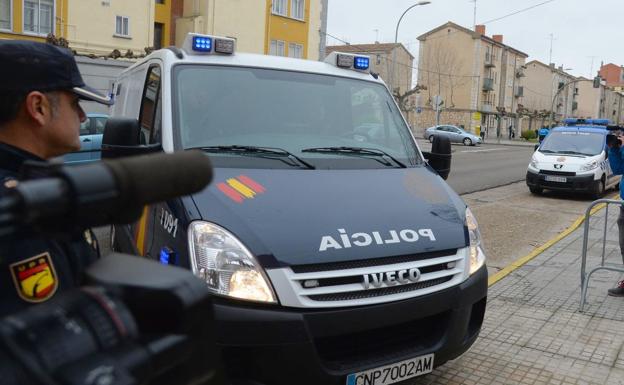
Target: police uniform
(33, 268)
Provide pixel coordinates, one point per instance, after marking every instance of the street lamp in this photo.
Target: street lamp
(396, 38)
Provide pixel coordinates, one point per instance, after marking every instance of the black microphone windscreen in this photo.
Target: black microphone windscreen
(149, 179)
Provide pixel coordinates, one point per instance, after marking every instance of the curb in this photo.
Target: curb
(527, 258)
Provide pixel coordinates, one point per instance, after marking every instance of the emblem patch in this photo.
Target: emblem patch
(35, 278)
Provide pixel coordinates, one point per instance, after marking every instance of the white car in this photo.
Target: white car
(572, 159)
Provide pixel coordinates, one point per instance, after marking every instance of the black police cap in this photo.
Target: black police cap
(27, 66)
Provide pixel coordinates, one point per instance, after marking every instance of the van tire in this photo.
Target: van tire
(599, 189)
(467, 142)
(536, 190)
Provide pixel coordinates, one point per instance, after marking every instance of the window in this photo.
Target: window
(295, 50)
(277, 48)
(280, 7)
(39, 16)
(159, 30)
(122, 26)
(5, 14)
(150, 118)
(297, 9)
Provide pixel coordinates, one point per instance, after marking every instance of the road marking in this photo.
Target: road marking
(489, 149)
(522, 261)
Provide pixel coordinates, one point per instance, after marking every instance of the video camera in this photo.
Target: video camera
(137, 322)
(613, 137)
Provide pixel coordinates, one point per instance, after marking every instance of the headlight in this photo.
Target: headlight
(477, 256)
(590, 166)
(227, 267)
(534, 162)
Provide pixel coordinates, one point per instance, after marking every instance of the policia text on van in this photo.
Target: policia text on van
(336, 253)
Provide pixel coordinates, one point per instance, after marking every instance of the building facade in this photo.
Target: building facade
(471, 80)
(382, 56)
(613, 75)
(547, 88)
(33, 19)
(276, 27)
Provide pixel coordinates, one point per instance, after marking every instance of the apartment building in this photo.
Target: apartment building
(275, 27)
(382, 56)
(547, 88)
(476, 80)
(613, 74)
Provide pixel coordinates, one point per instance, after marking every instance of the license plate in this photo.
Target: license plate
(392, 373)
(551, 178)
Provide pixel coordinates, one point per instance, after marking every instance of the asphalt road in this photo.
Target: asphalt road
(486, 166)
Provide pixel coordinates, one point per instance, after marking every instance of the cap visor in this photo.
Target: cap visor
(88, 93)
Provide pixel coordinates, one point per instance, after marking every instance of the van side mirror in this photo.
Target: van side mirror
(440, 156)
(121, 138)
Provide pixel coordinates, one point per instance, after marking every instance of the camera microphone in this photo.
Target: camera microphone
(111, 191)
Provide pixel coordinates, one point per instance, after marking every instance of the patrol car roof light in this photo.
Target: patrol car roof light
(196, 44)
(349, 61)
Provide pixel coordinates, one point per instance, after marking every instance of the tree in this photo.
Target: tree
(403, 100)
(442, 72)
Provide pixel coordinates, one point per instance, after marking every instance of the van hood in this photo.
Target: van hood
(565, 162)
(295, 217)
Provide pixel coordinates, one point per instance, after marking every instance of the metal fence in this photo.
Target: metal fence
(585, 275)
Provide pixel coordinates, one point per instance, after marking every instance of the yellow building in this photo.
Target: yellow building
(32, 19)
(277, 27)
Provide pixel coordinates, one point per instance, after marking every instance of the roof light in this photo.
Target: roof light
(224, 46)
(361, 62)
(202, 44)
(349, 61)
(196, 44)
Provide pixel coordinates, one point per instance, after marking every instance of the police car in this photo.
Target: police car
(573, 158)
(336, 254)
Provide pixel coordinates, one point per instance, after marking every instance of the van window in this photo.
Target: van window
(150, 118)
(223, 106)
(574, 143)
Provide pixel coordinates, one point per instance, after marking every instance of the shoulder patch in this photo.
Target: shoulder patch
(35, 278)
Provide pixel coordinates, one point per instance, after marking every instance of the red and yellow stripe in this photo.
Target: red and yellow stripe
(240, 188)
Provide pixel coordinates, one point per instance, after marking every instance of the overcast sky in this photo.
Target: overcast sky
(581, 28)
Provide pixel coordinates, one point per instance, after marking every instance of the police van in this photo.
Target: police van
(335, 252)
(573, 158)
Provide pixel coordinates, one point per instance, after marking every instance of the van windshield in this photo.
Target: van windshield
(291, 111)
(574, 143)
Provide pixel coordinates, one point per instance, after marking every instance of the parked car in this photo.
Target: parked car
(455, 134)
(91, 131)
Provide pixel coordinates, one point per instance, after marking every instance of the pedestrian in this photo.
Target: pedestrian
(510, 131)
(40, 118)
(616, 161)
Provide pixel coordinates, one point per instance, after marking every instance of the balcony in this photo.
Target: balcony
(574, 106)
(487, 106)
(519, 92)
(488, 84)
(489, 61)
(520, 74)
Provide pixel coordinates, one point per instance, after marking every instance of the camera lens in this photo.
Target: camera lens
(69, 327)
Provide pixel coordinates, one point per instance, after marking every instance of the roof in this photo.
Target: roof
(472, 33)
(554, 69)
(366, 48)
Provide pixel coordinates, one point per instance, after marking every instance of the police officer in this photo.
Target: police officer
(40, 116)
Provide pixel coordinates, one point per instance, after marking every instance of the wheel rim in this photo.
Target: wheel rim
(467, 142)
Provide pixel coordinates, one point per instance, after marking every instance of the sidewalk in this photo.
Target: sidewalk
(533, 332)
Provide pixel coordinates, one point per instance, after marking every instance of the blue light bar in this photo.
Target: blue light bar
(589, 122)
(167, 256)
(361, 63)
(202, 44)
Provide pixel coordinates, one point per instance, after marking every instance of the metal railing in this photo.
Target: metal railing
(585, 276)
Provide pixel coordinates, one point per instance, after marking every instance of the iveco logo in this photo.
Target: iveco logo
(558, 166)
(391, 278)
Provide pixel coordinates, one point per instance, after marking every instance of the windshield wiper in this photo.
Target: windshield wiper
(357, 151)
(264, 152)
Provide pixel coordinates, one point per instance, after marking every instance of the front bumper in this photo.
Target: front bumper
(283, 346)
(578, 183)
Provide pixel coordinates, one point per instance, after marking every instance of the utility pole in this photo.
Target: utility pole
(591, 67)
(376, 34)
